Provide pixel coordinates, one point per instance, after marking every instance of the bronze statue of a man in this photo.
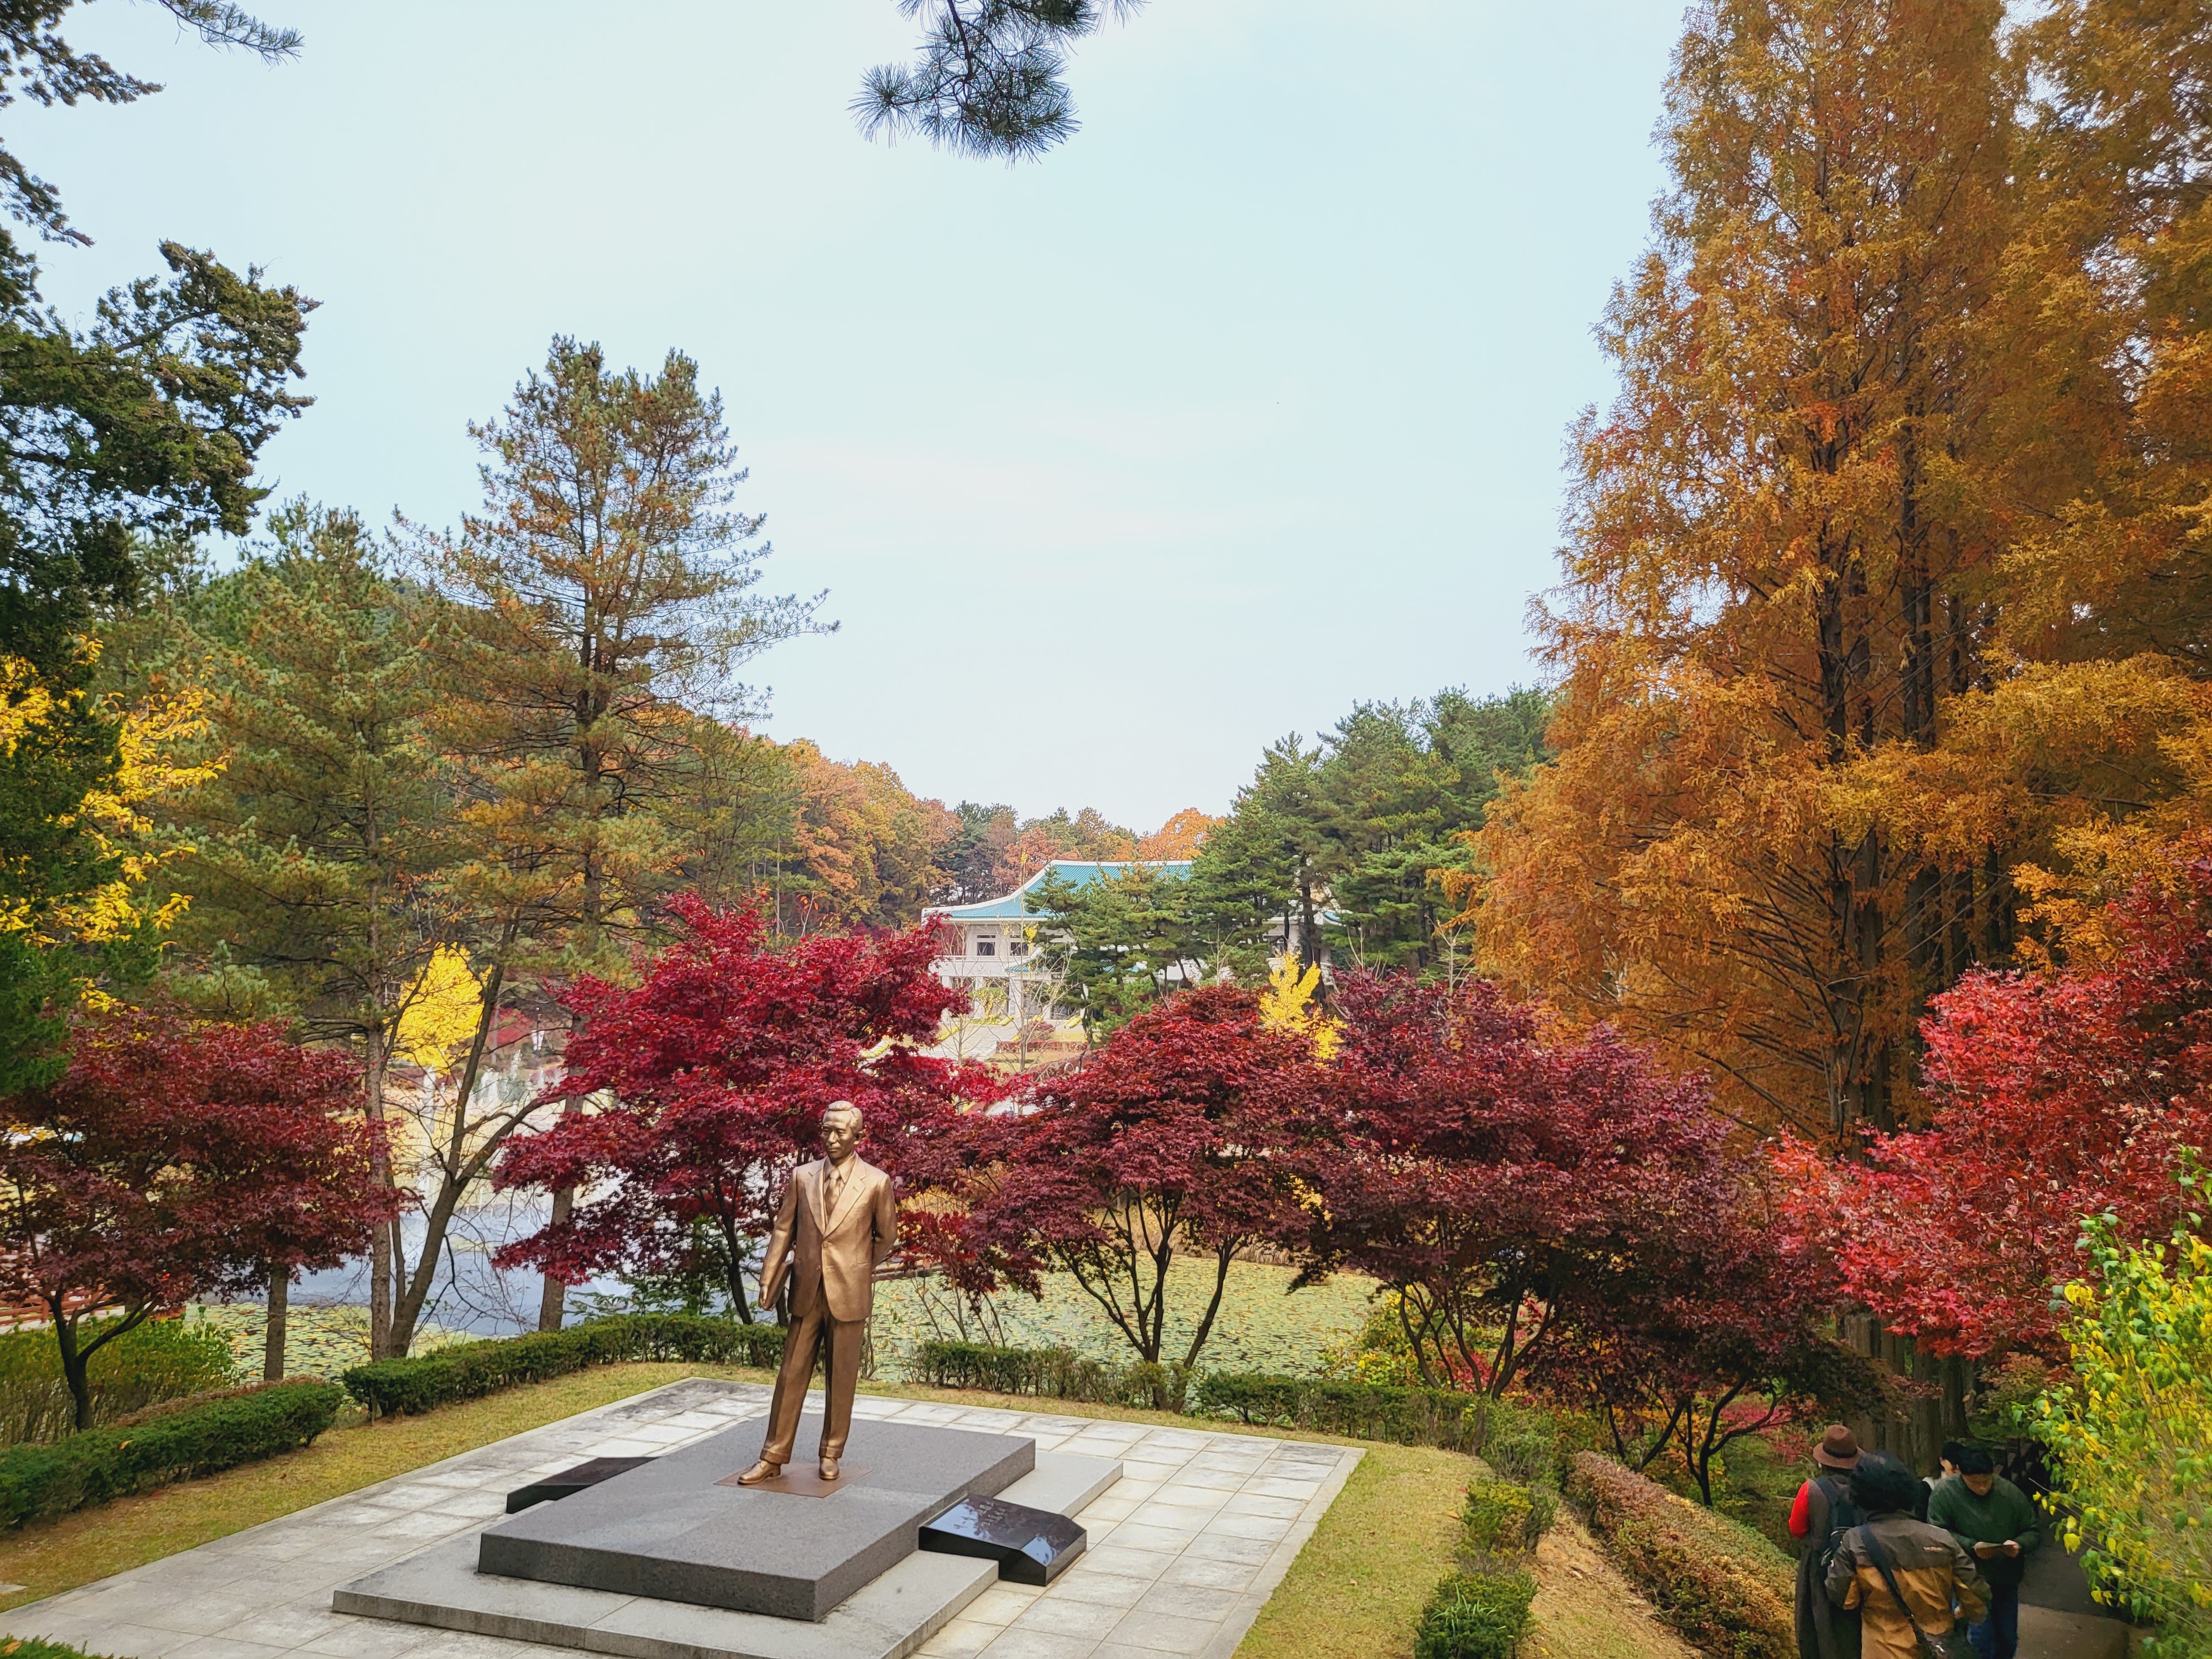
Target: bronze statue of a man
(838, 1218)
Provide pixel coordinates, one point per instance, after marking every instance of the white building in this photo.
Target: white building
(994, 942)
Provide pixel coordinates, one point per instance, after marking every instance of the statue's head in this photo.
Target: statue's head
(842, 1128)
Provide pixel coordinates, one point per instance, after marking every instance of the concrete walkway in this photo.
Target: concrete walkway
(1183, 1551)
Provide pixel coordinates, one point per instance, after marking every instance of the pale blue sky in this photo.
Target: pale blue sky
(1246, 404)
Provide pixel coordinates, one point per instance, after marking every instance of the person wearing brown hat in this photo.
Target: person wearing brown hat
(1820, 1517)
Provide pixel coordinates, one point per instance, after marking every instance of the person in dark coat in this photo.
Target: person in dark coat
(1824, 1630)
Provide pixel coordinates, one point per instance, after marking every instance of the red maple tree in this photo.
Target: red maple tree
(1169, 1141)
(175, 1159)
(2060, 1095)
(1513, 1186)
(706, 1083)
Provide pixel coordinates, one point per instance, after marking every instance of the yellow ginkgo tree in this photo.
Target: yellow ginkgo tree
(78, 852)
(1291, 1004)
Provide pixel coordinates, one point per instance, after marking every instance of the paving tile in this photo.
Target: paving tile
(1063, 1618)
(1282, 1509)
(290, 1627)
(409, 1495)
(1002, 1604)
(1182, 1494)
(1216, 1546)
(144, 1641)
(960, 1639)
(1110, 1508)
(1163, 1632)
(1168, 1541)
(224, 1647)
(1210, 1575)
(1249, 1526)
(1127, 1562)
(1211, 1479)
(1188, 1602)
(367, 1638)
(426, 1524)
(1277, 1486)
(1171, 1517)
(204, 1614)
(1040, 1644)
(1101, 1588)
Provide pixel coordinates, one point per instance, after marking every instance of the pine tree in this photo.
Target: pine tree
(321, 841)
(601, 602)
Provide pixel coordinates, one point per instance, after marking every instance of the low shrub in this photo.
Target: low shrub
(1724, 1588)
(30, 1647)
(1503, 1518)
(161, 1359)
(469, 1370)
(1475, 1615)
(1052, 1373)
(1519, 1442)
(40, 1481)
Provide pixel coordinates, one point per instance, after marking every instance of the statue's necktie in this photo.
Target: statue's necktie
(830, 1189)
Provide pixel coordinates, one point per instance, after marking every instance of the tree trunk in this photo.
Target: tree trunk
(552, 1301)
(273, 1341)
(74, 1365)
(454, 1181)
(1308, 929)
(380, 1237)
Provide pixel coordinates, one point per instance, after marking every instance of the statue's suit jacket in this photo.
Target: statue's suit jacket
(831, 1257)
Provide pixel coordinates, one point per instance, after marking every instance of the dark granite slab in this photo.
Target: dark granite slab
(1032, 1545)
(569, 1482)
(670, 1530)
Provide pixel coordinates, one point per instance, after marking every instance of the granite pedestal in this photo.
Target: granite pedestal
(570, 1481)
(676, 1529)
(886, 1618)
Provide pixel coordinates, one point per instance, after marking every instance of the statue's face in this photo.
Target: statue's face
(841, 1133)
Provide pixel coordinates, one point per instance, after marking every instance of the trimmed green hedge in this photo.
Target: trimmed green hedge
(468, 1371)
(1520, 1443)
(40, 1481)
(1052, 1373)
(1726, 1588)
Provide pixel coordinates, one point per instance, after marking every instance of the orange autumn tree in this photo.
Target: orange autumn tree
(863, 850)
(1809, 725)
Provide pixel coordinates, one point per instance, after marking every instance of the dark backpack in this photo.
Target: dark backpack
(1842, 1515)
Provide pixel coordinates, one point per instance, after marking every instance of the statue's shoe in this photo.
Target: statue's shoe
(828, 1468)
(761, 1471)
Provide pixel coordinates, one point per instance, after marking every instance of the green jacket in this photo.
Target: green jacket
(2006, 1513)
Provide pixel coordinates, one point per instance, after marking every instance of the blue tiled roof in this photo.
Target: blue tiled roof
(1080, 872)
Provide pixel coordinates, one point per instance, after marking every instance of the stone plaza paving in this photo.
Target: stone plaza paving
(1183, 1550)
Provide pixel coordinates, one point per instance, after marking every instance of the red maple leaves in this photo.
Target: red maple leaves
(176, 1159)
(704, 1085)
(2060, 1095)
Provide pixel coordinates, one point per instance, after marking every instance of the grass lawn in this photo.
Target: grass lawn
(1263, 1326)
(1354, 1593)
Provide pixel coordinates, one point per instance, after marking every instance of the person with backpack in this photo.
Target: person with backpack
(1822, 1515)
(1996, 1523)
(1908, 1579)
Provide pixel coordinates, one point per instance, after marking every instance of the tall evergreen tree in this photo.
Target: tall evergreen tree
(321, 843)
(602, 600)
